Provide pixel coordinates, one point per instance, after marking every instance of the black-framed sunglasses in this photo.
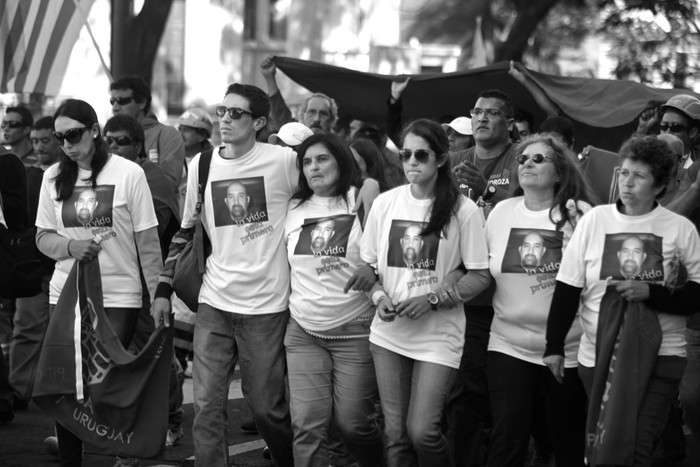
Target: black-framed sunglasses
(120, 140)
(121, 100)
(674, 127)
(72, 136)
(11, 124)
(234, 112)
(421, 155)
(536, 158)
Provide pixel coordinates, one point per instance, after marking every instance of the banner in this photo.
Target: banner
(110, 398)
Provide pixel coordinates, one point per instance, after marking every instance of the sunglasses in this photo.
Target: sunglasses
(421, 155)
(234, 112)
(11, 124)
(72, 136)
(121, 100)
(536, 158)
(674, 127)
(120, 140)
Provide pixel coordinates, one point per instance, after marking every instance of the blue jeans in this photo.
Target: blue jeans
(656, 403)
(413, 396)
(256, 343)
(690, 384)
(331, 378)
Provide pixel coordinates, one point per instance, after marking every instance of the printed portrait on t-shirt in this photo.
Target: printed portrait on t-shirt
(89, 207)
(632, 256)
(409, 249)
(325, 236)
(532, 251)
(239, 201)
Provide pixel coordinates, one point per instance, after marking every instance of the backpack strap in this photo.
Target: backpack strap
(204, 163)
(201, 239)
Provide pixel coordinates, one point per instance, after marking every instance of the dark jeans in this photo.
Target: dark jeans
(467, 411)
(656, 403)
(514, 385)
(123, 321)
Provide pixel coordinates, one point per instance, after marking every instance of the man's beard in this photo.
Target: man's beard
(84, 215)
(529, 260)
(318, 243)
(629, 267)
(409, 255)
(237, 212)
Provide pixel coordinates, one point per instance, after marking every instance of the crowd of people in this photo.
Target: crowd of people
(439, 305)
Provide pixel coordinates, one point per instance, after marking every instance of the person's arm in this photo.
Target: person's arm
(394, 124)
(684, 302)
(279, 111)
(171, 155)
(562, 313)
(472, 284)
(148, 247)
(688, 198)
(516, 70)
(58, 247)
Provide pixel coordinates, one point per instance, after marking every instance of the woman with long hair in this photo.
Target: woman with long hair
(415, 236)
(97, 207)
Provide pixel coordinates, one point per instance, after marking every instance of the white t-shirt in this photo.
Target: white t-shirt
(323, 249)
(120, 205)
(244, 210)
(524, 255)
(607, 243)
(410, 266)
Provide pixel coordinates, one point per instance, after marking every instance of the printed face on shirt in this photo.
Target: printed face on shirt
(88, 207)
(531, 250)
(631, 257)
(237, 201)
(411, 244)
(325, 236)
(321, 234)
(408, 249)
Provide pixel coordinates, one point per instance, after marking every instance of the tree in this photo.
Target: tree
(135, 38)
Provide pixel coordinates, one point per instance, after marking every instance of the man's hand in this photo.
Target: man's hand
(365, 198)
(362, 280)
(469, 174)
(398, 87)
(555, 363)
(647, 120)
(160, 311)
(268, 67)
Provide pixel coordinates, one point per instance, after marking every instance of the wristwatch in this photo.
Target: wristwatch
(434, 300)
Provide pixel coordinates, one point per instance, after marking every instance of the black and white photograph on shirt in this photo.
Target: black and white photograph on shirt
(325, 236)
(89, 207)
(532, 251)
(632, 256)
(409, 249)
(239, 201)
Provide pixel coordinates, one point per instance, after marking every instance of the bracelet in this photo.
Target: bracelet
(378, 295)
(68, 249)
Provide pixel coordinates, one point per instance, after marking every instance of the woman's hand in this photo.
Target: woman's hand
(385, 309)
(362, 280)
(414, 307)
(160, 311)
(448, 298)
(632, 291)
(555, 363)
(83, 250)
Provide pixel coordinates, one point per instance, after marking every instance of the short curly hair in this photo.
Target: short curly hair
(653, 152)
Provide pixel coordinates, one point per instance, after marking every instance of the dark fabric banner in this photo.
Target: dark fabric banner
(112, 399)
(627, 344)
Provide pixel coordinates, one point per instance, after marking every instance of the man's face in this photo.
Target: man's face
(458, 141)
(86, 205)
(411, 243)
(523, 129)
(190, 136)
(46, 148)
(14, 130)
(317, 115)
(237, 201)
(241, 130)
(677, 124)
(130, 108)
(531, 250)
(631, 257)
(127, 151)
(321, 234)
(491, 131)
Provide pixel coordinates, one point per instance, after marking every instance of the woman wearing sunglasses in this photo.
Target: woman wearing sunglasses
(415, 236)
(95, 206)
(331, 374)
(623, 273)
(526, 235)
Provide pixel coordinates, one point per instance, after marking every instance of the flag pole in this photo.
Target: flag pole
(92, 37)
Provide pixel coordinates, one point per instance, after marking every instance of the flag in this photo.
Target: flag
(36, 40)
(110, 398)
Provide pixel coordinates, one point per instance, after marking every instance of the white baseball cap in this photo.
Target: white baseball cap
(291, 134)
(462, 125)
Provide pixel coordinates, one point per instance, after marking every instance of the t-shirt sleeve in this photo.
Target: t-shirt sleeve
(190, 207)
(368, 242)
(689, 251)
(46, 213)
(572, 269)
(143, 214)
(472, 237)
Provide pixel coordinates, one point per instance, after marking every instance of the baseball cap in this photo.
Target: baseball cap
(196, 118)
(291, 134)
(462, 125)
(685, 103)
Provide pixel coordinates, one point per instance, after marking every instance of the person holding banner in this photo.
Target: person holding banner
(632, 352)
(121, 233)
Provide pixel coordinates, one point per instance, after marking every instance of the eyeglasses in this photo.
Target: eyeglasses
(11, 124)
(120, 140)
(421, 155)
(234, 112)
(492, 113)
(72, 136)
(536, 158)
(121, 100)
(674, 127)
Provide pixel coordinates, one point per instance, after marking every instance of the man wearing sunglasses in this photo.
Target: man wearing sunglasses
(680, 116)
(131, 96)
(16, 127)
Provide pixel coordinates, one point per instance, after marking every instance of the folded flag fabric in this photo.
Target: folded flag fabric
(110, 398)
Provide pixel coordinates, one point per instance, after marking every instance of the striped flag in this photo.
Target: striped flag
(36, 40)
